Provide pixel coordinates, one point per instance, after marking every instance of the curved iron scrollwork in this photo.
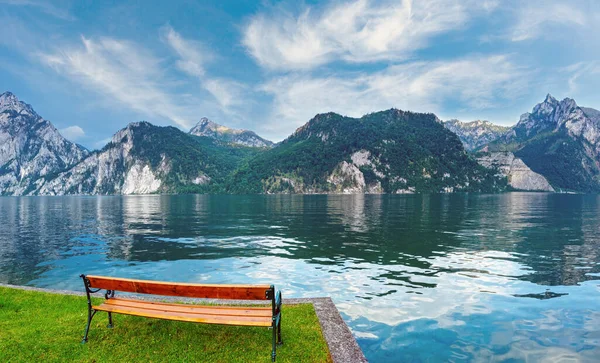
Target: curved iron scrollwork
(109, 294)
(86, 283)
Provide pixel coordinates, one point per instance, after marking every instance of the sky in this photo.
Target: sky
(92, 67)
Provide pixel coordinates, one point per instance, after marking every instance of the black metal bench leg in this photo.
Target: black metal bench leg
(110, 323)
(273, 353)
(91, 314)
(279, 340)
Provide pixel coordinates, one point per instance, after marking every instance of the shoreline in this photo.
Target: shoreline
(298, 194)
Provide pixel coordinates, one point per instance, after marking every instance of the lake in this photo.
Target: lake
(417, 277)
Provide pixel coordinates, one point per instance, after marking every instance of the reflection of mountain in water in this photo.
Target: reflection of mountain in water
(553, 236)
(362, 228)
(558, 237)
(548, 239)
(34, 230)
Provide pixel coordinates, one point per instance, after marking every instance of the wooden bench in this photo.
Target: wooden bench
(269, 316)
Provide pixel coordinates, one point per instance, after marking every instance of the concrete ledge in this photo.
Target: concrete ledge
(342, 345)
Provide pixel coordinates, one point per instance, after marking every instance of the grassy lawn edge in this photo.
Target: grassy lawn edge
(45, 326)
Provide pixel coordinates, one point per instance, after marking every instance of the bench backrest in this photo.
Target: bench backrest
(237, 292)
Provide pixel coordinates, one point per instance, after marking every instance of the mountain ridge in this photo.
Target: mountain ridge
(558, 140)
(208, 128)
(475, 134)
(30, 147)
(390, 151)
(131, 164)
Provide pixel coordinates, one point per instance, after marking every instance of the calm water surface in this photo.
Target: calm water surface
(417, 278)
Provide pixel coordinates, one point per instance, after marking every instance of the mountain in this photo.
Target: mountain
(222, 133)
(143, 158)
(30, 148)
(475, 134)
(390, 151)
(556, 147)
(558, 140)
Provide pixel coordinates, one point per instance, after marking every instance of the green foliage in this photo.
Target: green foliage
(563, 161)
(187, 158)
(410, 146)
(408, 150)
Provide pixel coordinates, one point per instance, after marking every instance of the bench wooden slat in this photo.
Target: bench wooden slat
(191, 317)
(268, 316)
(186, 308)
(236, 292)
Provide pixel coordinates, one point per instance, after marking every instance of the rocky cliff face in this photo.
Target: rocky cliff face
(558, 140)
(519, 175)
(140, 159)
(143, 158)
(113, 170)
(234, 136)
(347, 178)
(553, 116)
(475, 134)
(31, 148)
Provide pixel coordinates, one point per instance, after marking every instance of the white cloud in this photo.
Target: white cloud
(193, 55)
(578, 70)
(192, 59)
(227, 92)
(356, 31)
(44, 6)
(127, 73)
(534, 20)
(72, 133)
(476, 83)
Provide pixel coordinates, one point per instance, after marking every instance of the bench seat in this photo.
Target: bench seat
(266, 317)
(207, 314)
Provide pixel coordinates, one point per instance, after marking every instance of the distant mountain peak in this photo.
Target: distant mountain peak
(476, 133)
(208, 128)
(7, 95)
(32, 148)
(550, 99)
(125, 134)
(204, 127)
(136, 124)
(10, 102)
(551, 104)
(558, 140)
(471, 124)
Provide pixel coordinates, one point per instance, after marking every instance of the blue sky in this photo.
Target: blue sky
(91, 67)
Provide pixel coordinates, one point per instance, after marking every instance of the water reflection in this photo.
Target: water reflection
(440, 277)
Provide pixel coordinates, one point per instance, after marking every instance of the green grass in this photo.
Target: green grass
(38, 326)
